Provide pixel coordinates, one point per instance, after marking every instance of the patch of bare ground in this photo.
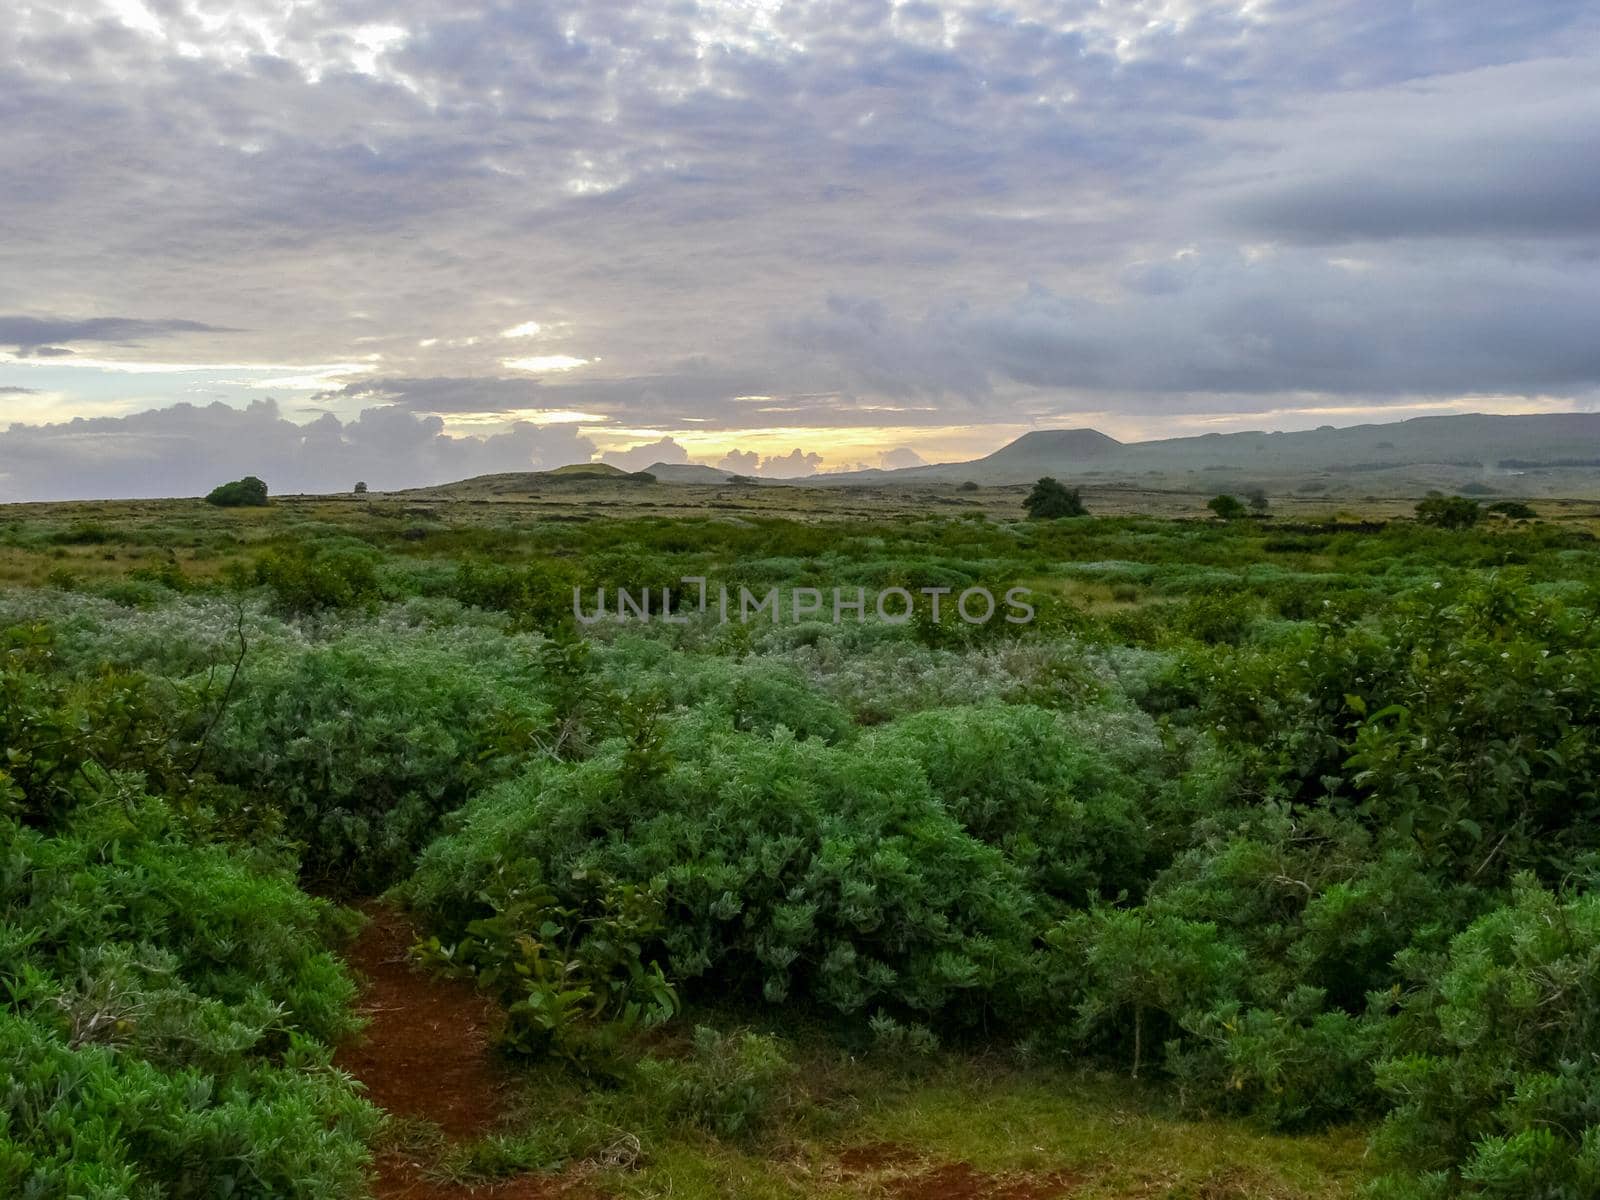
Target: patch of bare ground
(889, 1169)
(427, 1054)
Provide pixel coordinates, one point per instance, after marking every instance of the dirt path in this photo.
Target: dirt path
(426, 1053)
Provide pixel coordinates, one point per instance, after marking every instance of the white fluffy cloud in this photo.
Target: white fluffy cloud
(792, 465)
(186, 450)
(637, 458)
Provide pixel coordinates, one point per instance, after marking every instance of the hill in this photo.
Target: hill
(589, 470)
(1554, 454)
(688, 473)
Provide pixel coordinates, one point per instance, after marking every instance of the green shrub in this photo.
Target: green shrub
(731, 1084)
(168, 1020)
(791, 868)
(1073, 821)
(1493, 1070)
(1514, 510)
(363, 744)
(303, 582)
(1137, 973)
(570, 978)
(248, 492)
(1226, 507)
(1295, 1064)
(1051, 498)
(1449, 512)
(64, 738)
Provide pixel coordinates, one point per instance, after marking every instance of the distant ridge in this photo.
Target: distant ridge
(585, 470)
(1546, 454)
(1541, 454)
(688, 473)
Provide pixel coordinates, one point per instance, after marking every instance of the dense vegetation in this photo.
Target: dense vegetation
(248, 492)
(1301, 820)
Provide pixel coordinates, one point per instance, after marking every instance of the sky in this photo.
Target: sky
(416, 241)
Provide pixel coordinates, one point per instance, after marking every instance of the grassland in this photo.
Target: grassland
(1185, 888)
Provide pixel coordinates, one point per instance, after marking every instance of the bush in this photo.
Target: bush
(362, 745)
(1074, 822)
(570, 978)
(1492, 1069)
(1050, 498)
(792, 869)
(731, 1085)
(168, 1020)
(248, 492)
(1228, 508)
(1514, 510)
(304, 582)
(1449, 512)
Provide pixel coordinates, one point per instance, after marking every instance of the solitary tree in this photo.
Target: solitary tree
(1449, 512)
(1051, 498)
(1256, 498)
(248, 492)
(1229, 508)
(360, 488)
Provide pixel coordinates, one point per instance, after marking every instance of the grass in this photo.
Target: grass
(859, 1128)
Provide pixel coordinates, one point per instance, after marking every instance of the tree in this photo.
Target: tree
(969, 486)
(1257, 499)
(1515, 510)
(1229, 508)
(1449, 512)
(248, 492)
(360, 488)
(1051, 498)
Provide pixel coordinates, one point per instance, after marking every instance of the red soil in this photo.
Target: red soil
(898, 1171)
(960, 1181)
(426, 1053)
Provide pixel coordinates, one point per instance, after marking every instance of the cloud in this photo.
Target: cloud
(1219, 323)
(805, 217)
(740, 462)
(900, 456)
(18, 391)
(637, 458)
(442, 395)
(40, 334)
(185, 450)
(1400, 162)
(539, 363)
(792, 465)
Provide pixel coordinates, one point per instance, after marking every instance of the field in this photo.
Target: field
(339, 857)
